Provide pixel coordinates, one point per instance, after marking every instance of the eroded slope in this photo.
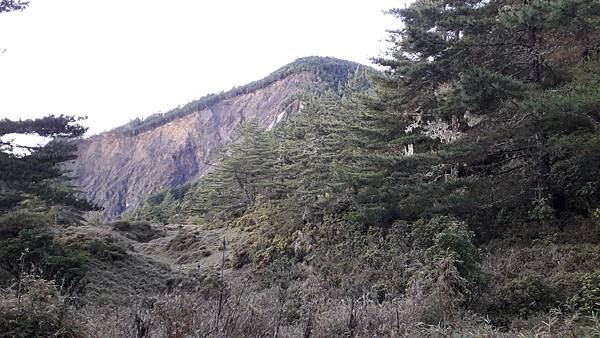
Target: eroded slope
(118, 171)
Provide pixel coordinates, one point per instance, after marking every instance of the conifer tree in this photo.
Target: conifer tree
(12, 5)
(35, 193)
(36, 172)
(311, 145)
(459, 89)
(243, 171)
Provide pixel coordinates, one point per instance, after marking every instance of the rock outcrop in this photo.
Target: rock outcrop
(118, 171)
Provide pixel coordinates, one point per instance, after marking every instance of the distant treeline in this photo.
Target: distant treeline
(333, 72)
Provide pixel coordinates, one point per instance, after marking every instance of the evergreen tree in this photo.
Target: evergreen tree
(36, 172)
(463, 85)
(312, 145)
(12, 5)
(34, 194)
(244, 170)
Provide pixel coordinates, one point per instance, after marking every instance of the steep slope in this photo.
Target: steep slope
(118, 169)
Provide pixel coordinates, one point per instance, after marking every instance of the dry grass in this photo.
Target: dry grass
(146, 294)
(302, 309)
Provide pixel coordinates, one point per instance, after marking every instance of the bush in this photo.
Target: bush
(443, 237)
(38, 247)
(138, 231)
(588, 299)
(521, 297)
(542, 210)
(105, 249)
(35, 308)
(240, 258)
(12, 223)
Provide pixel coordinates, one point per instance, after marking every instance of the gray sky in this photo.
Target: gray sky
(114, 60)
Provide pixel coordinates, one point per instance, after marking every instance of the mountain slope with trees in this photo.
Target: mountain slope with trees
(457, 193)
(467, 175)
(120, 168)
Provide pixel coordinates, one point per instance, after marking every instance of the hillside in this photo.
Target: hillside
(458, 196)
(120, 168)
(454, 194)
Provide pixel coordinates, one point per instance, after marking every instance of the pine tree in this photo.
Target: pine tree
(310, 146)
(244, 170)
(12, 5)
(35, 193)
(461, 87)
(36, 172)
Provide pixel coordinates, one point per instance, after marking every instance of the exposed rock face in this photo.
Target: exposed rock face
(118, 172)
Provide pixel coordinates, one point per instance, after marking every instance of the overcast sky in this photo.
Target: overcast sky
(114, 60)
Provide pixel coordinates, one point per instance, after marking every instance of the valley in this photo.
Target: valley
(453, 191)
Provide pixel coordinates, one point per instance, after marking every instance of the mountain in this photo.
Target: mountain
(118, 169)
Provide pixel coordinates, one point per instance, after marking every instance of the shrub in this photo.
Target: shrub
(137, 231)
(542, 210)
(104, 249)
(35, 308)
(12, 223)
(240, 258)
(37, 247)
(443, 237)
(588, 299)
(521, 297)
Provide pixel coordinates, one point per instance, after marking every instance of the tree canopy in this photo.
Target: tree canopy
(483, 128)
(12, 5)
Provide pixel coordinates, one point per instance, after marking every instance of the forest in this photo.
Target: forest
(455, 193)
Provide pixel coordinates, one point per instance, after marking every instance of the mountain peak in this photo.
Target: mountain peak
(329, 70)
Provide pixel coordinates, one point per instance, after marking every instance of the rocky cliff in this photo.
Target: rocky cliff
(118, 169)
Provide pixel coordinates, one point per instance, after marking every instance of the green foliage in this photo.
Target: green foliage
(37, 247)
(295, 164)
(485, 128)
(35, 195)
(530, 279)
(163, 207)
(481, 135)
(138, 231)
(105, 248)
(245, 171)
(521, 297)
(542, 210)
(377, 264)
(588, 299)
(479, 92)
(449, 237)
(35, 173)
(13, 222)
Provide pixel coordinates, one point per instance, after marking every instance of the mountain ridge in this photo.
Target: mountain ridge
(332, 71)
(119, 168)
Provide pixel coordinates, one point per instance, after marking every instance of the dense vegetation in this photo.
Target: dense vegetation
(469, 171)
(35, 196)
(458, 194)
(333, 72)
